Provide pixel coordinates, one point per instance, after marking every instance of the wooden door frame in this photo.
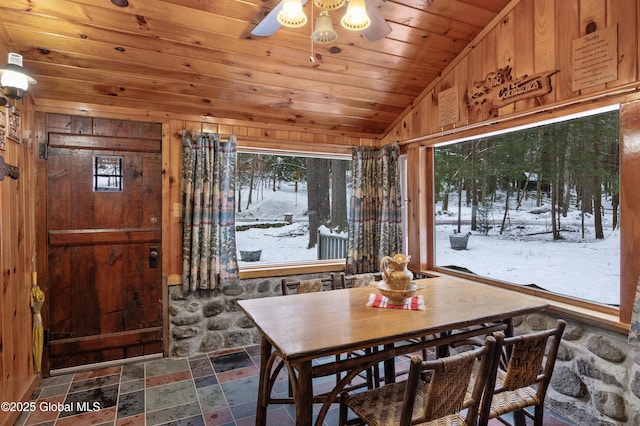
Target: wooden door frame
(40, 258)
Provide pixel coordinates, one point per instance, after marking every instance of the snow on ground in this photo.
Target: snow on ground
(584, 268)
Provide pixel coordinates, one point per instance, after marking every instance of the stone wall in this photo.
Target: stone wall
(207, 321)
(596, 380)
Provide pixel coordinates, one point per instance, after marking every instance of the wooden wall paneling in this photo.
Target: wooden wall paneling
(10, 376)
(418, 119)
(26, 222)
(40, 205)
(5, 302)
(629, 202)
(225, 129)
(414, 195)
(522, 18)
(405, 128)
(490, 63)
(592, 12)
(17, 245)
(209, 127)
(10, 290)
(505, 52)
(544, 45)
(172, 197)
(171, 245)
(625, 14)
(239, 131)
(475, 76)
(567, 30)
(461, 78)
(427, 207)
(394, 133)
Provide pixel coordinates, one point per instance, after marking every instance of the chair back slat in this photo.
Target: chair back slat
(359, 280)
(308, 285)
(524, 381)
(450, 379)
(526, 361)
(448, 385)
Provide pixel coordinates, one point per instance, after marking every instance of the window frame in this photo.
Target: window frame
(264, 269)
(601, 315)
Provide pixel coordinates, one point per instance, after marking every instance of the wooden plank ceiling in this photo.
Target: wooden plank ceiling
(198, 58)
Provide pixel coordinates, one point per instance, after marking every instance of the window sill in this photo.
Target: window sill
(591, 313)
(284, 269)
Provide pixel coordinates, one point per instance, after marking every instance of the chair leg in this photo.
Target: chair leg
(342, 419)
(519, 419)
(538, 419)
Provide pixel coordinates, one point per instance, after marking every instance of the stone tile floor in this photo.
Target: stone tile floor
(208, 389)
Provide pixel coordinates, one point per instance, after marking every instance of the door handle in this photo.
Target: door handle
(153, 257)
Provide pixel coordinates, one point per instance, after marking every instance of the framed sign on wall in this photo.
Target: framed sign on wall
(3, 128)
(14, 125)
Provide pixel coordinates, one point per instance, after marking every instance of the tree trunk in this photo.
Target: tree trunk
(460, 205)
(339, 195)
(597, 213)
(251, 181)
(317, 195)
(506, 209)
(615, 201)
(474, 191)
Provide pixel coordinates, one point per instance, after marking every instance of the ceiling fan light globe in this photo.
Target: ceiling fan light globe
(291, 14)
(356, 18)
(324, 32)
(329, 4)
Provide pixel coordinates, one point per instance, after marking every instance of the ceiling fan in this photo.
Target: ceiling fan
(376, 29)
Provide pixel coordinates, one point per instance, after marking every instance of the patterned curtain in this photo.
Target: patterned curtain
(209, 256)
(634, 328)
(375, 217)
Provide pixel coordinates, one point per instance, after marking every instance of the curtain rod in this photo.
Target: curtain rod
(222, 135)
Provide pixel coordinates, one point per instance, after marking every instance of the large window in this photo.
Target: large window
(538, 207)
(291, 208)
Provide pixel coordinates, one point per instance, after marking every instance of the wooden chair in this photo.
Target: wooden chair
(317, 285)
(361, 280)
(433, 394)
(358, 280)
(308, 286)
(522, 378)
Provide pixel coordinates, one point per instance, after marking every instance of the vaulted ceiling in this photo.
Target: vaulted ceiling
(199, 58)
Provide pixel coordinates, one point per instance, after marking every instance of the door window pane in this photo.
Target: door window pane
(107, 173)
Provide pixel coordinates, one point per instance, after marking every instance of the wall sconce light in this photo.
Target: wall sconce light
(13, 81)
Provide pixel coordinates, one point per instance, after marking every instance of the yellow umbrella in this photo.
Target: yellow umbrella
(37, 300)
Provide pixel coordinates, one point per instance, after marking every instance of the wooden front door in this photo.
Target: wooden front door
(104, 290)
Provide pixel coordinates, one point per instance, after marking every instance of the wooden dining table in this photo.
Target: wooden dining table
(300, 329)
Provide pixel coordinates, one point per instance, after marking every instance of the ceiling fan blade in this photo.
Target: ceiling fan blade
(269, 24)
(379, 27)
